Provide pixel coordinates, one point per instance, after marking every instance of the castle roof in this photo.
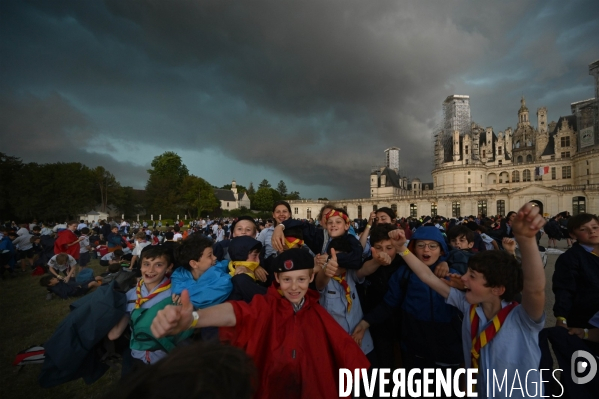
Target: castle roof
(224, 195)
(550, 149)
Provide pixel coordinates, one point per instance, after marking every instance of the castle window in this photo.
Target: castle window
(455, 209)
(433, 209)
(526, 175)
(374, 208)
(359, 211)
(295, 211)
(484, 153)
(500, 207)
(565, 141)
(553, 173)
(500, 162)
(482, 207)
(413, 210)
(529, 158)
(466, 150)
(468, 172)
(499, 151)
(578, 205)
(515, 177)
(308, 213)
(227, 204)
(468, 181)
(469, 189)
(520, 159)
(565, 154)
(566, 172)
(518, 144)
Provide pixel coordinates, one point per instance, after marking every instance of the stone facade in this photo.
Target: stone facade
(480, 171)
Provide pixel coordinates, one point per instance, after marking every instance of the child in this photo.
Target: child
(62, 263)
(246, 273)
(337, 288)
(207, 283)
(505, 334)
(152, 293)
(101, 249)
(296, 345)
(385, 262)
(65, 289)
(114, 239)
(84, 247)
(24, 246)
(140, 244)
(430, 329)
(67, 241)
(461, 239)
(113, 257)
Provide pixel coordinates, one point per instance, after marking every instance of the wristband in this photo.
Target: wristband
(196, 317)
(282, 225)
(586, 333)
(404, 253)
(369, 226)
(562, 319)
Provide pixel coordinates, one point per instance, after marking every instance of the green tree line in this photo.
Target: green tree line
(61, 191)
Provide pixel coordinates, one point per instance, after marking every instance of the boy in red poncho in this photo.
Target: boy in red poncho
(297, 346)
(67, 241)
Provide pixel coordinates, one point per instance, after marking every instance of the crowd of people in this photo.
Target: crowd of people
(304, 298)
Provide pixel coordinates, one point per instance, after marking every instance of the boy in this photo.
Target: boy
(498, 335)
(385, 261)
(67, 241)
(305, 346)
(461, 239)
(337, 289)
(84, 247)
(65, 289)
(62, 263)
(206, 281)
(140, 244)
(152, 293)
(113, 257)
(430, 328)
(23, 244)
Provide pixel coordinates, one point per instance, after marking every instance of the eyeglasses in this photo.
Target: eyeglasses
(422, 245)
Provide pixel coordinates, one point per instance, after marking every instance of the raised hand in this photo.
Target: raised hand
(332, 266)
(441, 270)
(372, 218)
(509, 245)
(382, 258)
(528, 221)
(398, 237)
(455, 281)
(173, 319)
(260, 273)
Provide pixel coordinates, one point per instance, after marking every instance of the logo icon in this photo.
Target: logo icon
(288, 264)
(579, 366)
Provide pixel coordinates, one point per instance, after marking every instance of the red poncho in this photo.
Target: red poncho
(298, 355)
(60, 245)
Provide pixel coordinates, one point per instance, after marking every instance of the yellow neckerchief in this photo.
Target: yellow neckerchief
(250, 265)
(166, 285)
(343, 282)
(291, 242)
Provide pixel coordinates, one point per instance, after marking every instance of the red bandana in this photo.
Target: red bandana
(482, 339)
(337, 213)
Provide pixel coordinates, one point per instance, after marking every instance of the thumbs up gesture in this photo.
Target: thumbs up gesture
(332, 266)
(173, 319)
(382, 258)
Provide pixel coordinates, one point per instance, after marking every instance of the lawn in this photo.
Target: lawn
(29, 319)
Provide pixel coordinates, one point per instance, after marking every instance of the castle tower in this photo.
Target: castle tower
(456, 145)
(542, 120)
(234, 189)
(392, 158)
(523, 114)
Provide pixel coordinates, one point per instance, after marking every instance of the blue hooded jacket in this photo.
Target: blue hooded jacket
(430, 328)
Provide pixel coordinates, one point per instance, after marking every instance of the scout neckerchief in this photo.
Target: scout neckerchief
(341, 280)
(482, 339)
(250, 265)
(291, 242)
(166, 285)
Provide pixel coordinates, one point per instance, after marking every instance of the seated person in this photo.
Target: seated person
(62, 263)
(113, 257)
(65, 289)
(461, 239)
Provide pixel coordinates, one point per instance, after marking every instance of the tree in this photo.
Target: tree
(10, 169)
(282, 188)
(264, 184)
(108, 186)
(263, 200)
(294, 195)
(251, 192)
(162, 188)
(197, 196)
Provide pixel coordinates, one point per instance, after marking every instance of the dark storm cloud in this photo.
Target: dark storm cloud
(314, 89)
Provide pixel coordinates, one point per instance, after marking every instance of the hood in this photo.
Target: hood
(429, 233)
(22, 231)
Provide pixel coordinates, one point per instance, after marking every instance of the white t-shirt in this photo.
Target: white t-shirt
(54, 265)
(138, 247)
(177, 236)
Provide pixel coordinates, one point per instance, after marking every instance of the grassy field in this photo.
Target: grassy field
(28, 319)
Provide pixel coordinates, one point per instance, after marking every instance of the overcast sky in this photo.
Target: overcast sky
(310, 92)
